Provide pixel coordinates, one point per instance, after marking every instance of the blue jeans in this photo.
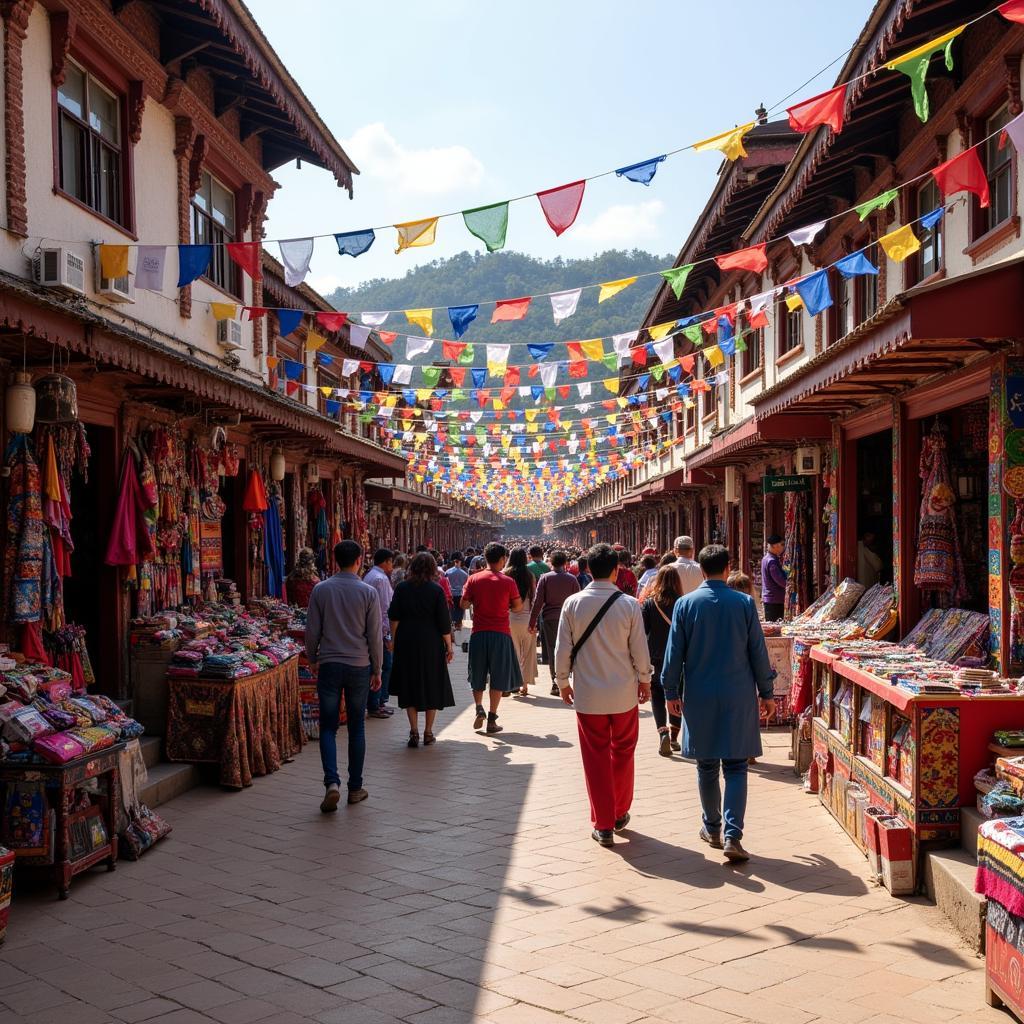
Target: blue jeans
(380, 698)
(735, 772)
(333, 679)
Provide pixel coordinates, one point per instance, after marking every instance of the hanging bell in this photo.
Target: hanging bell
(20, 404)
(56, 399)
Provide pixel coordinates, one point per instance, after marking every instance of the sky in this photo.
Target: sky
(446, 105)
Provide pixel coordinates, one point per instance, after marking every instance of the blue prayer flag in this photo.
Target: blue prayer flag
(929, 220)
(683, 390)
(479, 375)
(642, 381)
(675, 372)
(387, 372)
(333, 406)
(409, 396)
(643, 172)
(815, 292)
(292, 369)
(192, 262)
(854, 264)
(288, 320)
(354, 243)
(325, 360)
(725, 328)
(539, 351)
(728, 345)
(536, 390)
(461, 317)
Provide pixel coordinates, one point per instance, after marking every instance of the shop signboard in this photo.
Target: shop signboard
(778, 484)
(1015, 400)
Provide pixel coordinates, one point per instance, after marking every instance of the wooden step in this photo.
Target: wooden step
(166, 781)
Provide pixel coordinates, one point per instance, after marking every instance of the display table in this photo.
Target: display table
(780, 654)
(77, 844)
(249, 726)
(915, 755)
(1000, 879)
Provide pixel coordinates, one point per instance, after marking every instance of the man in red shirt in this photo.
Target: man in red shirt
(492, 656)
(626, 579)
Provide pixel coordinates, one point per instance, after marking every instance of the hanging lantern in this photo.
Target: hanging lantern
(277, 466)
(20, 403)
(57, 399)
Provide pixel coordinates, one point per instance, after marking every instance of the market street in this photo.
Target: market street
(467, 888)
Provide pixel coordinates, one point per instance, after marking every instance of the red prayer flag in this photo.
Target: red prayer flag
(247, 256)
(759, 319)
(560, 205)
(457, 374)
(512, 376)
(332, 321)
(563, 391)
(452, 349)
(510, 309)
(255, 312)
(1013, 10)
(729, 312)
(388, 337)
(710, 326)
(963, 173)
(575, 351)
(818, 110)
(366, 367)
(639, 355)
(753, 259)
(577, 368)
(507, 393)
(686, 362)
(533, 370)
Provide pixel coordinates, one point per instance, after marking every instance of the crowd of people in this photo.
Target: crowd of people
(680, 632)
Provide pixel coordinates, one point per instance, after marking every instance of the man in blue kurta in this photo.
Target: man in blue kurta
(716, 667)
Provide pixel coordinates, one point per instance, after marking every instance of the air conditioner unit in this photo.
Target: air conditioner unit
(229, 334)
(114, 289)
(732, 485)
(808, 461)
(58, 267)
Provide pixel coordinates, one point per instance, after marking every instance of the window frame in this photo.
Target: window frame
(981, 228)
(750, 362)
(785, 320)
(843, 301)
(220, 262)
(916, 269)
(865, 285)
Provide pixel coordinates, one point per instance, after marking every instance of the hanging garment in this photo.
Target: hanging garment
(26, 532)
(273, 548)
(938, 566)
(130, 541)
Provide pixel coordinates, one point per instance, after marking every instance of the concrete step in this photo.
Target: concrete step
(166, 781)
(949, 879)
(151, 750)
(970, 821)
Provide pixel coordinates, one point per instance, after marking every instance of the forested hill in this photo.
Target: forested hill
(478, 277)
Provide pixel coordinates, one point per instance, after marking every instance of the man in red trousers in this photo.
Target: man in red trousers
(602, 645)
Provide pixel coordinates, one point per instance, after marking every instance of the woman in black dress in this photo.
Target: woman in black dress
(421, 628)
(657, 612)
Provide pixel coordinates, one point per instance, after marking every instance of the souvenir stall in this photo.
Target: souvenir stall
(1000, 879)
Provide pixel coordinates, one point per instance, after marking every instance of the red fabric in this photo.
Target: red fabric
(759, 319)
(507, 394)
(560, 205)
(639, 355)
(247, 256)
(332, 321)
(607, 746)
(686, 362)
(709, 326)
(563, 390)
(32, 643)
(963, 173)
(457, 374)
(512, 377)
(255, 312)
(510, 309)
(754, 259)
(577, 369)
(255, 499)
(388, 337)
(492, 594)
(1013, 10)
(130, 541)
(626, 581)
(452, 349)
(824, 109)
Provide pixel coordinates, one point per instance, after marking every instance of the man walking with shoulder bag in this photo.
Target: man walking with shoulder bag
(602, 645)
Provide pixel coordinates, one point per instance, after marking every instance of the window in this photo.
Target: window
(841, 303)
(708, 400)
(751, 360)
(89, 144)
(788, 328)
(929, 256)
(213, 223)
(866, 295)
(999, 169)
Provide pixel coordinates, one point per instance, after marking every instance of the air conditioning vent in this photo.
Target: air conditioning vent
(114, 289)
(229, 334)
(59, 268)
(808, 461)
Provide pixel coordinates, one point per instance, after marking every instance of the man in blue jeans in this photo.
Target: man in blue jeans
(716, 668)
(344, 638)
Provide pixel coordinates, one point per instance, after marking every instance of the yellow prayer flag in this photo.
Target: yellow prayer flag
(794, 302)
(499, 405)
(622, 402)
(900, 244)
(272, 362)
(496, 369)
(531, 415)
(532, 428)
(421, 436)
(220, 310)
(611, 417)
(423, 395)
(315, 342)
(325, 390)
(730, 142)
(593, 349)
(611, 385)
(421, 318)
(926, 48)
(714, 356)
(610, 288)
(415, 233)
(658, 331)
(114, 260)
(689, 403)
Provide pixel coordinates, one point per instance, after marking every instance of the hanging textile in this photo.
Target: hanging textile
(130, 541)
(794, 557)
(319, 528)
(23, 554)
(273, 547)
(938, 566)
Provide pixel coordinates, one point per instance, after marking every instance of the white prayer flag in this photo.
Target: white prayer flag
(295, 255)
(349, 366)
(149, 267)
(665, 350)
(415, 346)
(563, 304)
(622, 343)
(804, 236)
(357, 335)
(403, 374)
(497, 354)
(548, 374)
(583, 388)
(374, 319)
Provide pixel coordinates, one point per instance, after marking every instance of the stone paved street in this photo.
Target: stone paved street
(467, 889)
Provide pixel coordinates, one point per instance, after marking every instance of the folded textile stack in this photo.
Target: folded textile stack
(982, 680)
(833, 616)
(1009, 737)
(1000, 802)
(244, 648)
(948, 634)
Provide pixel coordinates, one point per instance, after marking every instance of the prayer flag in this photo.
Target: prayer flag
(452, 350)
(676, 278)
(561, 205)
(192, 262)
(354, 243)
(643, 172)
(753, 259)
(415, 233)
(388, 337)
(314, 341)
(296, 254)
(331, 321)
(915, 66)
(403, 373)
(510, 309)
(416, 346)
(804, 236)
(658, 331)
(539, 351)
(431, 375)
(1013, 10)
(563, 304)
(272, 362)
(610, 288)
(714, 356)
(622, 343)
(255, 312)
(114, 260)
(611, 385)
(373, 319)
(422, 318)
(292, 369)
(247, 255)
(461, 317)
(357, 336)
(489, 224)
(387, 373)
(854, 264)
(149, 267)
(794, 302)
(826, 108)
(930, 219)
(665, 350)
(223, 310)
(879, 202)
(814, 291)
(900, 244)
(288, 320)
(467, 356)
(963, 173)
(730, 143)
(694, 335)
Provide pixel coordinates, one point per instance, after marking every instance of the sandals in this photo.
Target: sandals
(414, 739)
(428, 739)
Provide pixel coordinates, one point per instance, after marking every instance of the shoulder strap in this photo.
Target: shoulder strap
(662, 613)
(576, 647)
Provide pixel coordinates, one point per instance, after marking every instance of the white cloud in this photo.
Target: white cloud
(429, 171)
(623, 224)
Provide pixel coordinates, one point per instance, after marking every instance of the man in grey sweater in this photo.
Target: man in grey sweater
(344, 638)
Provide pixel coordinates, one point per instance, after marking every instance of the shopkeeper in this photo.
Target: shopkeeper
(869, 565)
(773, 580)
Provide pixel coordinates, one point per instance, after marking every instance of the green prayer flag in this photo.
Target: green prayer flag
(458, 395)
(694, 334)
(466, 356)
(431, 375)
(365, 417)
(489, 224)
(741, 345)
(917, 71)
(658, 371)
(677, 276)
(611, 360)
(549, 394)
(879, 202)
